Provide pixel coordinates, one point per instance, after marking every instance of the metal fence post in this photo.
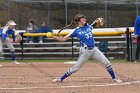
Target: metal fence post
(21, 44)
(130, 47)
(128, 43)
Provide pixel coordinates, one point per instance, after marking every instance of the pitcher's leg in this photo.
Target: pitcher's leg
(75, 68)
(99, 56)
(83, 57)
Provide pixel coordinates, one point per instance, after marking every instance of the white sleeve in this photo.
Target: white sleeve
(5, 30)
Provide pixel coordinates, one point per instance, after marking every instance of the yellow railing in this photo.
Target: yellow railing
(96, 32)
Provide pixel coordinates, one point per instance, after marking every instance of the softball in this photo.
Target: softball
(49, 35)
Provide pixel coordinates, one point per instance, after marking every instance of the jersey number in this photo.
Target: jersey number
(88, 35)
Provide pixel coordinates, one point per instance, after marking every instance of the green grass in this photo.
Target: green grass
(117, 60)
(113, 61)
(41, 60)
(51, 60)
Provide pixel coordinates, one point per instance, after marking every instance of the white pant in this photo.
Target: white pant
(7, 43)
(85, 54)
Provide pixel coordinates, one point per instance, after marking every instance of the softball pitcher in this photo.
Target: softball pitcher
(83, 32)
(8, 30)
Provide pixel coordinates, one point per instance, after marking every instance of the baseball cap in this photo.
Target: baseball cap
(12, 23)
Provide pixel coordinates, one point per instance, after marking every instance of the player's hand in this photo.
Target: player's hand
(99, 22)
(18, 38)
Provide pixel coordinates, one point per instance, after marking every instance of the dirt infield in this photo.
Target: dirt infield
(92, 78)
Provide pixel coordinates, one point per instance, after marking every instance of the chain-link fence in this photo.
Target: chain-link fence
(58, 13)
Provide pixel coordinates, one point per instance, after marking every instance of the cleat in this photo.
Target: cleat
(15, 62)
(57, 80)
(117, 80)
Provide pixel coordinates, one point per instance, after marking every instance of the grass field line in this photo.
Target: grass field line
(78, 86)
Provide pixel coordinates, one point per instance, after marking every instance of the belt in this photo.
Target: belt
(89, 48)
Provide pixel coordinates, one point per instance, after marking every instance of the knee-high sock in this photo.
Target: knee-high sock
(65, 75)
(111, 72)
(13, 55)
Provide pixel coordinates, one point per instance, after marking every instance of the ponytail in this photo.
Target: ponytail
(66, 27)
(74, 22)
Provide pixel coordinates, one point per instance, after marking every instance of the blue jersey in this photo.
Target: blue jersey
(84, 35)
(44, 29)
(5, 32)
(137, 26)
